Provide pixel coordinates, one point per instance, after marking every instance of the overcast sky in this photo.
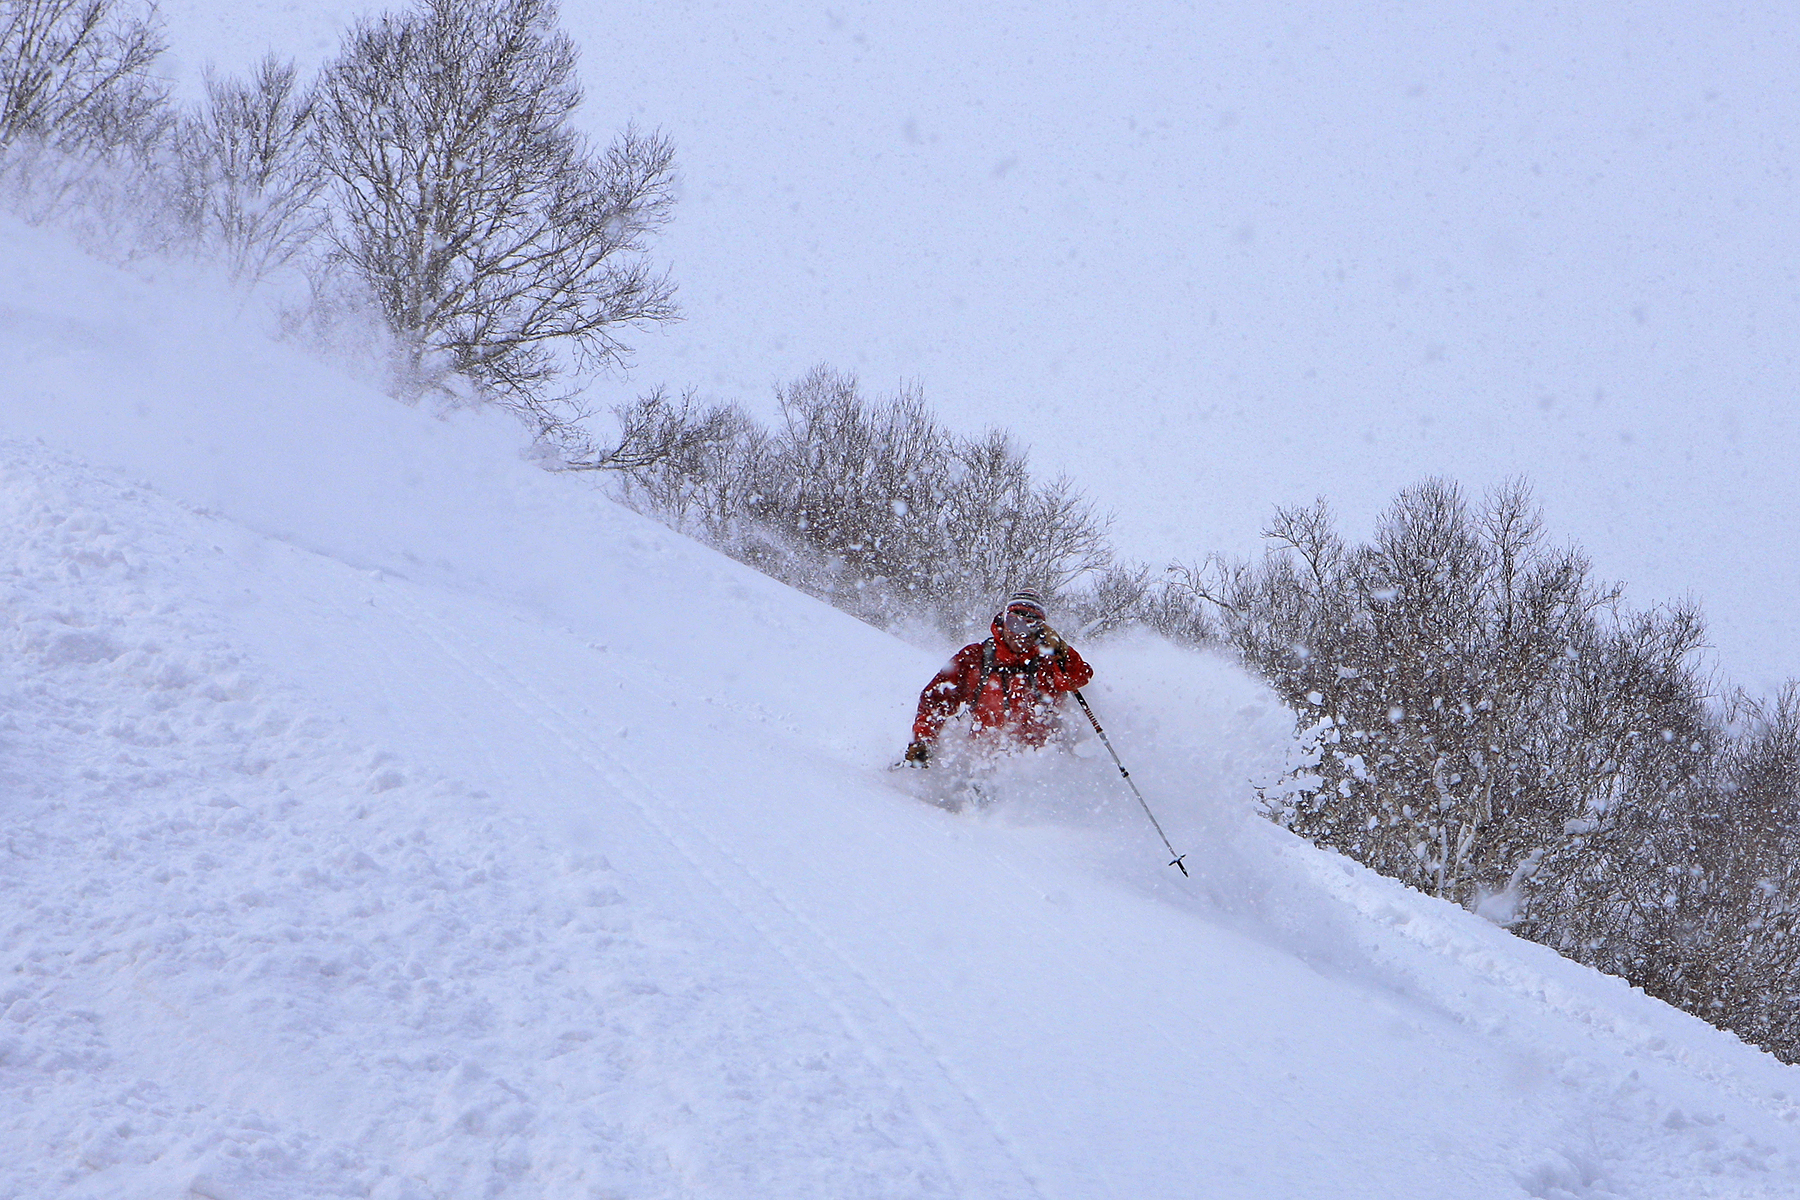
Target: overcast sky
(1209, 260)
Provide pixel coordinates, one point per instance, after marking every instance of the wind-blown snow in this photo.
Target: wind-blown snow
(387, 817)
(1210, 258)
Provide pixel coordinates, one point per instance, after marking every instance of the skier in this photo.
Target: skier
(1012, 683)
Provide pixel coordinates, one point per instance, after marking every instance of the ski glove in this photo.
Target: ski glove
(918, 754)
(1052, 641)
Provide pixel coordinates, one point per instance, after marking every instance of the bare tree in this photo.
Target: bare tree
(869, 503)
(1017, 530)
(853, 478)
(655, 433)
(75, 74)
(253, 184)
(1486, 723)
(1476, 707)
(1751, 927)
(490, 235)
(1118, 596)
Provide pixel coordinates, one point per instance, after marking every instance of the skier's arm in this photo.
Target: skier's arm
(1065, 671)
(948, 691)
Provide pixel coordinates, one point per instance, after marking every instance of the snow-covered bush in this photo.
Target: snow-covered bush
(1475, 700)
(1486, 723)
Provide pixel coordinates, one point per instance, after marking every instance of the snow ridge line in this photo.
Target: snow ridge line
(656, 812)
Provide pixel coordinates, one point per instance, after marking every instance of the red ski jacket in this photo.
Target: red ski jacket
(1017, 694)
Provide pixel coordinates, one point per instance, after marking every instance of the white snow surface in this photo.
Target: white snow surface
(386, 817)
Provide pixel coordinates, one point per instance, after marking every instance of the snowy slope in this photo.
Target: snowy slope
(385, 817)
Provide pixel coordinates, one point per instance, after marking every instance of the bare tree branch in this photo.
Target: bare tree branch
(490, 234)
(76, 74)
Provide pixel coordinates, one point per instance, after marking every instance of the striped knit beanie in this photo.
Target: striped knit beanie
(1025, 598)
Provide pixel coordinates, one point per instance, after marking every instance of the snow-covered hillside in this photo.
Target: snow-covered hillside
(386, 817)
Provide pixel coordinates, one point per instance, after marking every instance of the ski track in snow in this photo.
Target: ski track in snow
(763, 907)
(237, 831)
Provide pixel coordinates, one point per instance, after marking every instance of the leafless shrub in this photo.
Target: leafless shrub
(1633, 752)
(1736, 883)
(869, 503)
(661, 440)
(1011, 529)
(856, 484)
(1489, 725)
(492, 238)
(84, 124)
(118, 208)
(75, 75)
(252, 184)
(1473, 700)
(1114, 598)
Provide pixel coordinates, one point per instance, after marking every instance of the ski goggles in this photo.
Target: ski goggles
(1020, 623)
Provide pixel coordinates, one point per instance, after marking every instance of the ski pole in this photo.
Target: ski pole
(1107, 742)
